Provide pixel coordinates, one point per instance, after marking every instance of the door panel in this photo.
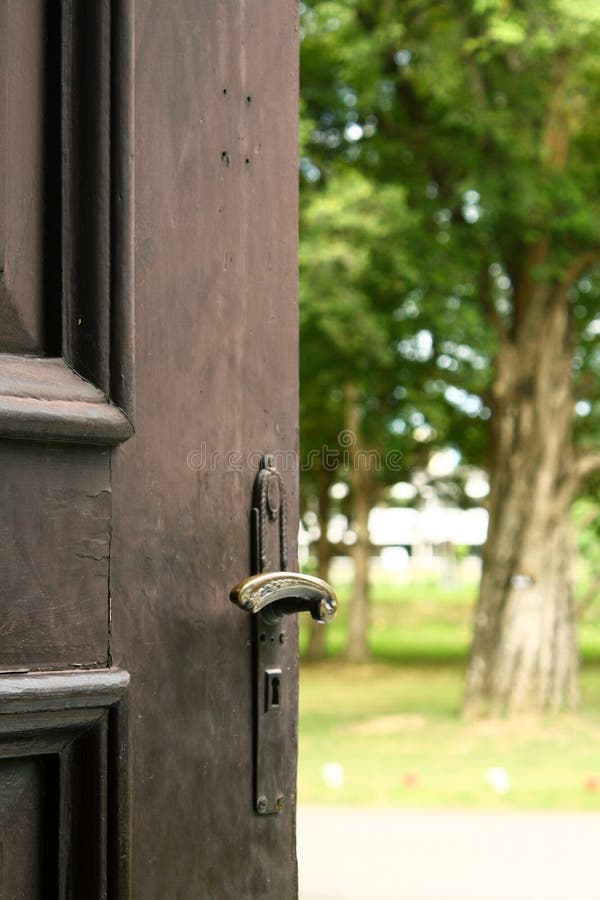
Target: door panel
(63, 786)
(23, 817)
(216, 178)
(22, 118)
(55, 507)
(66, 163)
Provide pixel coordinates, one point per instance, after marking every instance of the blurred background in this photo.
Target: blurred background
(450, 411)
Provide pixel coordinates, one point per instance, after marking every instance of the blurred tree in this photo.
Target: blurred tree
(587, 534)
(356, 265)
(479, 117)
(348, 362)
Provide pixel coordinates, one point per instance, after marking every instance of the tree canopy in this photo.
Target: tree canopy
(440, 141)
(451, 230)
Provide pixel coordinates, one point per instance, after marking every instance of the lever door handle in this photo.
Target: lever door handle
(278, 594)
(270, 596)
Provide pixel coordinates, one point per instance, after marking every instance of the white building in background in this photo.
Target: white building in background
(391, 526)
(412, 541)
(415, 542)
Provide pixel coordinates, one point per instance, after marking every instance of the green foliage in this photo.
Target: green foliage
(586, 522)
(439, 140)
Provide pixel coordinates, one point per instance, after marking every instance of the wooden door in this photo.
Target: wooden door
(147, 175)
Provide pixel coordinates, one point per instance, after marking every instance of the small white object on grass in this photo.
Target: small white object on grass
(332, 774)
(498, 780)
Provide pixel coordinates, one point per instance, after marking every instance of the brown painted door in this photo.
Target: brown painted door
(147, 359)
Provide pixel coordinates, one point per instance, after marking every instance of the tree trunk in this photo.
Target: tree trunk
(524, 651)
(315, 650)
(357, 648)
(362, 492)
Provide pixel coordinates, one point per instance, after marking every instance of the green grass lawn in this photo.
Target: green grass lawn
(393, 725)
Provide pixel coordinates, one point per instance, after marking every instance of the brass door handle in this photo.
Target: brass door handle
(270, 596)
(278, 594)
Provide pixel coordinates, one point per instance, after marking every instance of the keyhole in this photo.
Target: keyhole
(275, 692)
(272, 689)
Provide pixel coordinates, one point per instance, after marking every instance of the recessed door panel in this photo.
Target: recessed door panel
(55, 505)
(63, 787)
(28, 826)
(22, 139)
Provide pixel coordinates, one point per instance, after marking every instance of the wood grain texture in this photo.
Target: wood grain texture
(45, 399)
(59, 420)
(21, 175)
(216, 176)
(23, 870)
(44, 379)
(55, 506)
(52, 691)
